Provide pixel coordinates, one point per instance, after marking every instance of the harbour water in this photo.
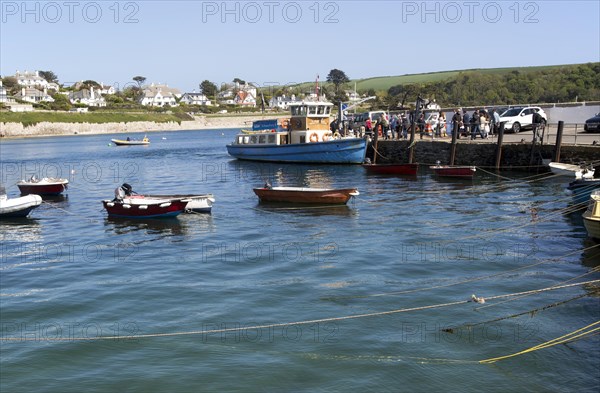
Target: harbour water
(256, 298)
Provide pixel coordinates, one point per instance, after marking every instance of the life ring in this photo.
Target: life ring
(314, 137)
(285, 123)
(337, 135)
(326, 137)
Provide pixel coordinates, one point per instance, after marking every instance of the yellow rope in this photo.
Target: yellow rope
(559, 340)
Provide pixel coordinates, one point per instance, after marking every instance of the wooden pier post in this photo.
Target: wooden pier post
(415, 118)
(499, 146)
(453, 143)
(559, 134)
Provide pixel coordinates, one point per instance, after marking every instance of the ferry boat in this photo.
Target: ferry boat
(307, 139)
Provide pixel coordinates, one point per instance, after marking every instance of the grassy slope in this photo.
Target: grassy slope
(385, 82)
(30, 118)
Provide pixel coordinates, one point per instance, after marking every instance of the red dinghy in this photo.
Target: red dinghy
(45, 186)
(303, 195)
(128, 205)
(141, 207)
(453, 171)
(392, 169)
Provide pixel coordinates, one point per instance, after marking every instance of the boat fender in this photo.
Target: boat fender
(337, 135)
(314, 137)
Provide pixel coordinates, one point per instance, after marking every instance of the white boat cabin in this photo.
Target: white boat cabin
(308, 123)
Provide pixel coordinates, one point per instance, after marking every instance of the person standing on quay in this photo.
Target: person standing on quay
(442, 124)
(405, 124)
(368, 126)
(484, 125)
(495, 122)
(474, 124)
(456, 123)
(466, 123)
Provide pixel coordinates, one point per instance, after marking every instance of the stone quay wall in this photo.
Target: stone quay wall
(514, 155)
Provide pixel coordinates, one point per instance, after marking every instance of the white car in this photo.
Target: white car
(517, 119)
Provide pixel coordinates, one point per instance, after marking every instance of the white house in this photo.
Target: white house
(33, 95)
(159, 95)
(107, 89)
(282, 102)
(195, 99)
(243, 95)
(54, 86)
(31, 79)
(245, 98)
(3, 94)
(87, 97)
(352, 95)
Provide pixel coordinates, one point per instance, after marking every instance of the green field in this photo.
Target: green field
(31, 118)
(383, 83)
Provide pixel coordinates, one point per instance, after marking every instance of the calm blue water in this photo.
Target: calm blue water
(70, 273)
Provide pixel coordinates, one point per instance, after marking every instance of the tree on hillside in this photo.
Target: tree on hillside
(89, 83)
(208, 88)
(338, 78)
(404, 93)
(50, 76)
(61, 103)
(10, 84)
(240, 81)
(140, 81)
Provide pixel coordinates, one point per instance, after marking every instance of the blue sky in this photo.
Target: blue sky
(182, 43)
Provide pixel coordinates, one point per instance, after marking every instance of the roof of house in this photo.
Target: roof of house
(31, 92)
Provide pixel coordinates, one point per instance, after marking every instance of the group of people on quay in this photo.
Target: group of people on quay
(480, 122)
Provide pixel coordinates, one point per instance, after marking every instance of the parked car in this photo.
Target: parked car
(361, 119)
(592, 124)
(519, 119)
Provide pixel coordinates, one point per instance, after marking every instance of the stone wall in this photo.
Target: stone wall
(16, 130)
(514, 155)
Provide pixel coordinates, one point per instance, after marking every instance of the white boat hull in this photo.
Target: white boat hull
(558, 168)
(196, 203)
(19, 207)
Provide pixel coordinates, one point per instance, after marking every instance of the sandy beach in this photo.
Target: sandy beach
(17, 130)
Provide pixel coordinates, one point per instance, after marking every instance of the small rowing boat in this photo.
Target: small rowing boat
(131, 142)
(305, 195)
(462, 171)
(44, 186)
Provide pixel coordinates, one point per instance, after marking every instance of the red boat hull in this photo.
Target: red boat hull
(324, 197)
(151, 210)
(454, 171)
(392, 169)
(42, 189)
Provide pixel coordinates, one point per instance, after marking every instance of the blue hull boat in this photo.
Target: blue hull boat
(306, 137)
(335, 151)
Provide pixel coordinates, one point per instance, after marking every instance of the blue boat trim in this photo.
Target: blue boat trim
(339, 151)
